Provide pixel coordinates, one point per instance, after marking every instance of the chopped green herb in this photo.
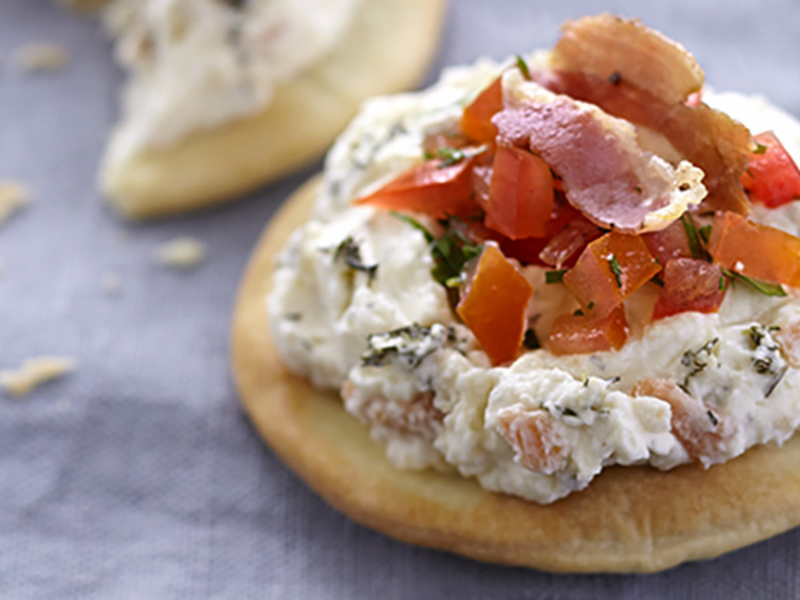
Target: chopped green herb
(638, 189)
(350, 253)
(590, 306)
(695, 246)
(750, 173)
(721, 283)
(451, 251)
(713, 418)
(616, 269)
(760, 149)
(428, 155)
(523, 67)
(697, 361)
(531, 340)
(657, 280)
(453, 156)
(578, 313)
(406, 346)
(705, 233)
(554, 276)
(768, 289)
(415, 224)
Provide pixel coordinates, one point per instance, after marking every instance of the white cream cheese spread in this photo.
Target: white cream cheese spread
(354, 307)
(196, 64)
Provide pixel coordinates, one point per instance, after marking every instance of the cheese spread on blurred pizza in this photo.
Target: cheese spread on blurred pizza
(197, 64)
(537, 269)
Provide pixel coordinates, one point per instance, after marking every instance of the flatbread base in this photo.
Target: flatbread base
(388, 49)
(630, 519)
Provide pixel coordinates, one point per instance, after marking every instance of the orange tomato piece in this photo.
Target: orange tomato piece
(434, 188)
(690, 285)
(476, 122)
(771, 177)
(494, 305)
(578, 334)
(609, 271)
(521, 194)
(755, 250)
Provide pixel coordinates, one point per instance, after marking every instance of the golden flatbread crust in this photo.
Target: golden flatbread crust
(387, 50)
(630, 519)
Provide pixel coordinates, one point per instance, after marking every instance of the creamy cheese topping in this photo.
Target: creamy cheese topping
(199, 63)
(380, 328)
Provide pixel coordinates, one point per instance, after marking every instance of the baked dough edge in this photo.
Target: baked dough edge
(630, 519)
(399, 37)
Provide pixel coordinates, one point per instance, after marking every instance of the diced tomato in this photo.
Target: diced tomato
(494, 305)
(771, 177)
(690, 285)
(521, 194)
(578, 334)
(526, 250)
(668, 243)
(572, 238)
(755, 250)
(476, 122)
(433, 188)
(609, 270)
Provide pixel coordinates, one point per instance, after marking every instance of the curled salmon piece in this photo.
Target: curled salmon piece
(617, 49)
(535, 437)
(418, 417)
(637, 74)
(605, 172)
(788, 338)
(704, 433)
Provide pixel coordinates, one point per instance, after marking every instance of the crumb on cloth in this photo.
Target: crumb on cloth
(35, 372)
(41, 56)
(13, 196)
(112, 284)
(181, 252)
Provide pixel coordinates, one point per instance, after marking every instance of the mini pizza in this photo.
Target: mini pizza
(561, 295)
(227, 95)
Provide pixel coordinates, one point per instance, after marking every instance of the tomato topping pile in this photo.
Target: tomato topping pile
(501, 206)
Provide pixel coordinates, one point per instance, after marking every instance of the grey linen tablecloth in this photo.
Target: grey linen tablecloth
(139, 476)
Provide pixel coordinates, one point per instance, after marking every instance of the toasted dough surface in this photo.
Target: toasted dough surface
(630, 519)
(386, 50)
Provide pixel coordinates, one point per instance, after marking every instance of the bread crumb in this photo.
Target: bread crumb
(13, 196)
(40, 57)
(112, 284)
(35, 372)
(181, 253)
